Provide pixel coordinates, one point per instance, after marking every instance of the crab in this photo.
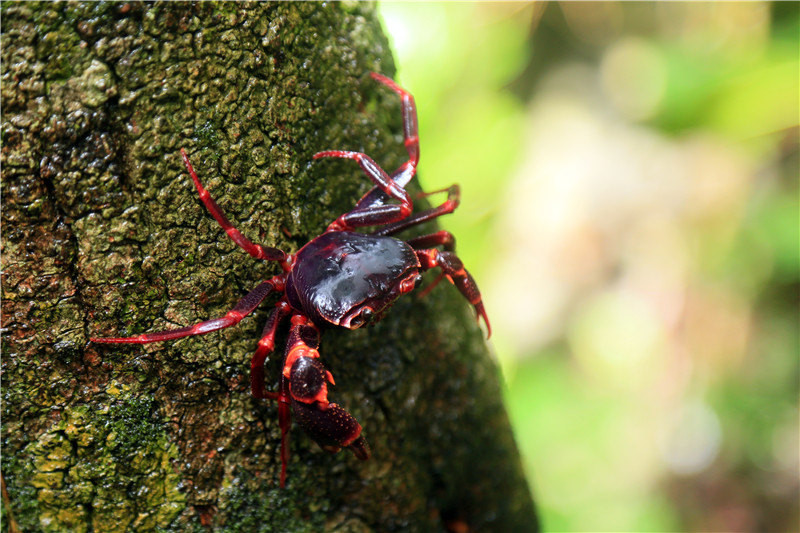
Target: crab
(340, 278)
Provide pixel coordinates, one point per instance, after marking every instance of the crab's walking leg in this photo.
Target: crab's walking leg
(265, 347)
(244, 307)
(255, 250)
(447, 207)
(304, 385)
(373, 214)
(442, 238)
(454, 270)
(410, 127)
(285, 423)
(406, 171)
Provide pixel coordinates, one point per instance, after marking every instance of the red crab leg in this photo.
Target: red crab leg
(447, 207)
(454, 270)
(410, 127)
(427, 290)
(371, 215)
(285, 423)
(295, 347)
(410, 130)
(406, 171)
(304, 386)
(440, 238)
(244, 307)
(265, 347)
(256, 250)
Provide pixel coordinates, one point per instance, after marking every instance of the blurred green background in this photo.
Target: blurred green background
(629, 178)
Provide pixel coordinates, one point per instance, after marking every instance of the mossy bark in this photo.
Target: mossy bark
(103, 234)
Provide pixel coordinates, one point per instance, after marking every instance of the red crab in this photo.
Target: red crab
(340, 278)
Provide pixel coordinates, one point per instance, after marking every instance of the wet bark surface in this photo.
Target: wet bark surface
(103, 234)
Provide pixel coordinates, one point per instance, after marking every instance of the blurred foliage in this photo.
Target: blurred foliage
(629, 178)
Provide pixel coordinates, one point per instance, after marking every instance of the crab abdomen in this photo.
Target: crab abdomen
(340, 272)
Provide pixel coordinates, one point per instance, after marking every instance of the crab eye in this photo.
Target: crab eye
(418, 281)
(363, 317)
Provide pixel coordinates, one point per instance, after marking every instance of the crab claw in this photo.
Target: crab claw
(329, 425)
(308, 382)
(332, 428)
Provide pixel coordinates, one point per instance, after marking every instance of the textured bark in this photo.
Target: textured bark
(103, 234)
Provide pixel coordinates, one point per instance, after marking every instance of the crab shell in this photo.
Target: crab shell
(349, 279)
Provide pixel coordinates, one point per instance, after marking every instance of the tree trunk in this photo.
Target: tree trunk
(103, 234)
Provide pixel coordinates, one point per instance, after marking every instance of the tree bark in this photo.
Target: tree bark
(103, 234)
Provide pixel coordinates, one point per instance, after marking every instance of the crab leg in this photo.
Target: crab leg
(440, 238)
(256, 250)
(244, 307)
(373, 214)
(454, 271)
(410, 130)
(410, 127)
(304, 386)
(447, 207)
(406, 171)
(265, 347)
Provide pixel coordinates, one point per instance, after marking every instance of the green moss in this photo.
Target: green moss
(208, 137)
(250, 508)
(132, 425)
(105, 470)
(24, 507)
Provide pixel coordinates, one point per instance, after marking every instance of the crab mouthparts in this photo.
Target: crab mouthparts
(370, 311)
